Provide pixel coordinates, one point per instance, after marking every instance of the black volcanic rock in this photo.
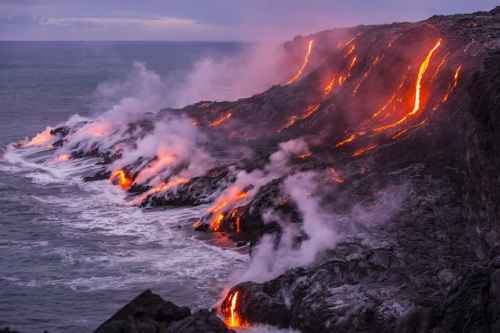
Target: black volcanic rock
(201, 321)
(197, 191)
(7, 330)
(147, 312)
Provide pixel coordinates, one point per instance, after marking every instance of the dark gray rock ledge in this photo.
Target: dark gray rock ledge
(149, 313)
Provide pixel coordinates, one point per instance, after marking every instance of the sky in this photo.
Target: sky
(207, 20)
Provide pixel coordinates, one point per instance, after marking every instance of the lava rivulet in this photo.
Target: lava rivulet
(301, 69)
(230, 310)
(219, 121)
(228, 200)
(123, 179)
(453, 85)
(163, 187)
(363, 150)
(417, 106)
(312, 109)
(396, 102)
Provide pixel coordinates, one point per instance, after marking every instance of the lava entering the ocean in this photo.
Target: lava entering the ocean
(163, 187)
(41, 139)
(230, 310)
(123, 179)
(224, 203)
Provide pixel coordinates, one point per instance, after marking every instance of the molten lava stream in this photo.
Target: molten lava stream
(456, 78)
(230, 310)
(221, 120)
(124, 180)
(301, 69)
(417, 106)
(224, 203)
(163, 187)
(364, 150)
(366, 74)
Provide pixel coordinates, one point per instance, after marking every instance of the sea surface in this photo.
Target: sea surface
(72, 253)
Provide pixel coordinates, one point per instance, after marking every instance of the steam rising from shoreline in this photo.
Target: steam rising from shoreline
(321, 230)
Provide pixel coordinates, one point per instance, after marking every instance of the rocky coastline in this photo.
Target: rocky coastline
(403, 148)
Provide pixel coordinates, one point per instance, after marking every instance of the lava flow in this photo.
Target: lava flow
(41, 139)
(456, 77)
(396, 102)
(63, 157)
(300, 71)
(219, 121)
(230, 310)
(123, 179)
(224, 203)
(163, 187)
(418, 90)
(311, 109)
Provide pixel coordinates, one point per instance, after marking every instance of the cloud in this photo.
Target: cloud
(148, 23)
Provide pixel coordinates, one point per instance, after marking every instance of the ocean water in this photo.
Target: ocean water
(72, 253)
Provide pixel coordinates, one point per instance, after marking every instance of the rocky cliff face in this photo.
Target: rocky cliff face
(407, 106)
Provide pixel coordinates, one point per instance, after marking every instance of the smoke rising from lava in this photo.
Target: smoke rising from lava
(256, 69)
(321, 229)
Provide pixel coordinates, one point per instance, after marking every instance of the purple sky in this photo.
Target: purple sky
(206, 19)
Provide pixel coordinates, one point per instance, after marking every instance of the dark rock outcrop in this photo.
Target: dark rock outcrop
(149, 313)
(7, 330)
(201, 321)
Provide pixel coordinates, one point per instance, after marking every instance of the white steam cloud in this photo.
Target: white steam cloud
(174, 142)
(254, 71)
(126, 101)
(323, 230)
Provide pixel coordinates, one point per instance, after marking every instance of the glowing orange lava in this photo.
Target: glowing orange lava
(219, 121)
(365, 75)
(229, 199)
(346, 140)
(310, 111)
(41, 139)
(418, 90)
(230, 312)
(124, 180)
(307, 57)
(351, 50)
(63, 157)
(164, 159)
(363, 150)
(456, 78)
(353, 63)
(163, 187)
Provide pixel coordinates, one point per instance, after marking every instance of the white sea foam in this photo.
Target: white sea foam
(152, 243)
